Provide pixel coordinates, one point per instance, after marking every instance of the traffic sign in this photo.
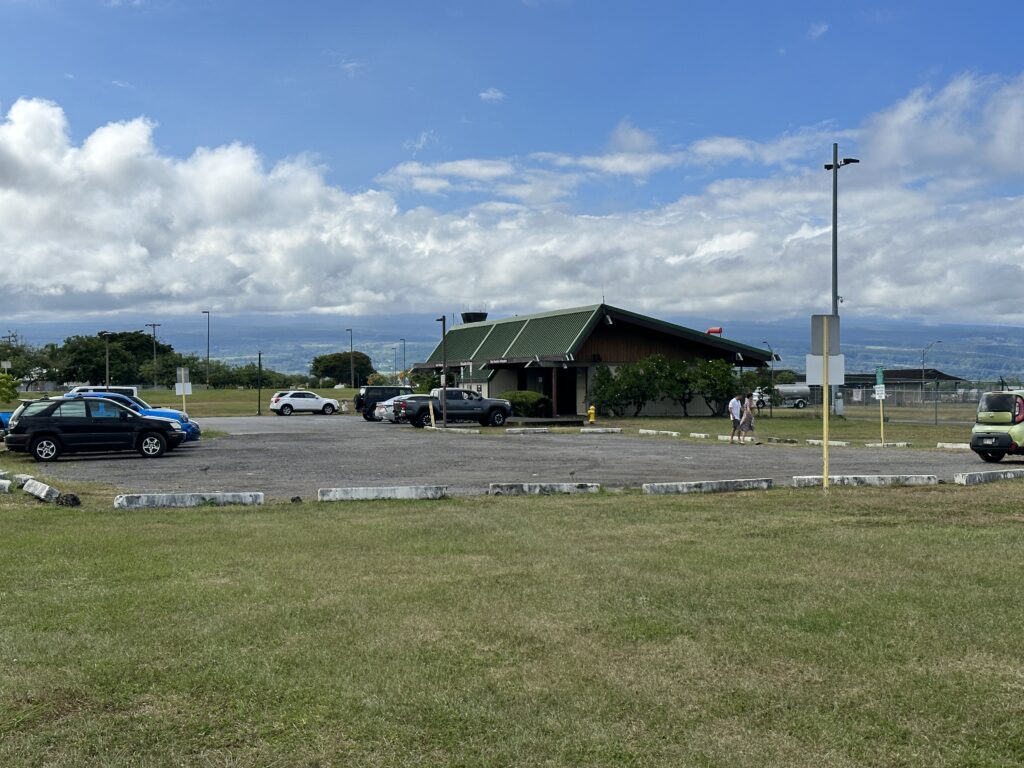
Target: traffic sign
(879, 392)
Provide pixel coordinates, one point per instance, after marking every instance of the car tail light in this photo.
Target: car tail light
(276, 399)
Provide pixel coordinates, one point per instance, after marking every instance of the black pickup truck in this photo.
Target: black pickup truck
(463, 405)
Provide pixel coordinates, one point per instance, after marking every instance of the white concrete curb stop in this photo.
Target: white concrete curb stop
(527, 431)
(540, 489)
(726, 439)
(709, 486)
(977, 478)
(954, 446)
(836, 443)
(41, 491)
(20, 480)
(658, 432)
(600, 430)
(786, 440)
(700, 435)
(162, 500)
(3, 474)
(5, 486)
(453, 430)
(876, 481)
(370, 493)
(887, 445)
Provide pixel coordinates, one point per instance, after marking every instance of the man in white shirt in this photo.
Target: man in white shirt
(735, 413)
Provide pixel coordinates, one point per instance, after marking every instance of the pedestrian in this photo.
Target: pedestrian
(736, 414)
(747, 417)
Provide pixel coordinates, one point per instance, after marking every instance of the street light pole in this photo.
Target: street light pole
(771, 393)
(834, 166)
(444, 370)
(106, 341)
(351, 361)
(207, 313)
(154, 326)
(923, 353)
(403, 354)
(396, 363)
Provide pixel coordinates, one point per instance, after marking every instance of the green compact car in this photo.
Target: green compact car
(999, 429)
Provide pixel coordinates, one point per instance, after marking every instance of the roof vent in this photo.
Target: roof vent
(474, 317)
(716, 330)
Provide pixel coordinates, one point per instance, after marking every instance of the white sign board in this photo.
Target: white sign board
(879, 392)
(836, 370)
(183, 389)
(5, 364)
(818, 323)
(183, 376)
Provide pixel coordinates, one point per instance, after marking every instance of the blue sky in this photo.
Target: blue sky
(369, 158)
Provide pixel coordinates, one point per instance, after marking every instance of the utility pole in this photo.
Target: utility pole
(259, 383)
(154, 326)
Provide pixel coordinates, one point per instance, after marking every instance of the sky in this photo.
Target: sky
(344, 159)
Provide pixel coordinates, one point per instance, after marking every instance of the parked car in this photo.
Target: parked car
(462, 405)
(289, 401)
(133, 391)
(192, 430)
(388, 410)
(999, 428)
(53, 426)
(367, 397)
(5, 417)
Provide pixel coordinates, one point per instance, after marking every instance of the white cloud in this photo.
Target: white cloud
(930, 222)
(492, 95)
(817, 29)
(420, 142)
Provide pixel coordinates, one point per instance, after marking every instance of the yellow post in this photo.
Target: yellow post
(881, 419)
(430, 406)
(825, 398)
(183, 410)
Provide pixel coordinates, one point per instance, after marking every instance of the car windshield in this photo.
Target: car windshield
(994, 402)
(139, 402)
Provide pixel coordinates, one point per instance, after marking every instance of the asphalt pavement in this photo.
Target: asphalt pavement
(295, 456)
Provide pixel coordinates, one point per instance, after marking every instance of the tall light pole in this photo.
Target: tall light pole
(351, 361)
(771, 395)
(207, 313)
(105, 335)
(834, 166)
(403, 354)
(444, 370)
(923, 353)
(154, 326)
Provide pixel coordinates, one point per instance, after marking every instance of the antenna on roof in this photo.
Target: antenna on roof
(602, 294)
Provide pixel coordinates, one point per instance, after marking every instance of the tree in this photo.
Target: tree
(636, 384)
(8, 388)
(337, 366)
(83, 358)
(676, 380)
(604, 392)
(716, 384)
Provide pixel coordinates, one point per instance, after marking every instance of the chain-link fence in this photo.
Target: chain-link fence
(925, 402)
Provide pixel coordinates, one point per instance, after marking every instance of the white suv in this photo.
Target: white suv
(287, 402)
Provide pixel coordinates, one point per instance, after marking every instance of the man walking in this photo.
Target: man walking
(736, 414)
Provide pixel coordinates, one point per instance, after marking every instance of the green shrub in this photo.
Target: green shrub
(528, 403)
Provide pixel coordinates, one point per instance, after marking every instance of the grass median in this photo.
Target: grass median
(788, 628)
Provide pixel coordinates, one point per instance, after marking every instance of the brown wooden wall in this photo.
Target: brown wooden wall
(622, 343)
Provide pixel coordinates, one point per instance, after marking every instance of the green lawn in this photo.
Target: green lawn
(790, 628)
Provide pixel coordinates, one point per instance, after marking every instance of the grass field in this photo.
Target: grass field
(788, 628)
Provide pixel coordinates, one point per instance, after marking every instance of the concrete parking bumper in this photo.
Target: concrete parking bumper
(540, 489)
(709, 486)
(160, 500)
(368, 493)
(811, 481)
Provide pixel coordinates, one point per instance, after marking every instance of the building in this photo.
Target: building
(556, 353)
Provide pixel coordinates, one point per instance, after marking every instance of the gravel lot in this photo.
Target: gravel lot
(295, 456)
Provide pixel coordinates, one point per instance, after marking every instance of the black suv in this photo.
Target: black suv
(369, 396)
(52, 426)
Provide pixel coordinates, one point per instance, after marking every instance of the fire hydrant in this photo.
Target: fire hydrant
(591, 415)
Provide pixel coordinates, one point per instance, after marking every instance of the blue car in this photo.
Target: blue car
(137, 404)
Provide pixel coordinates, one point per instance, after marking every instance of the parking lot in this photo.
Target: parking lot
(295, 456)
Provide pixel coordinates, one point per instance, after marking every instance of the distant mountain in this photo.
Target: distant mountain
(290, 342)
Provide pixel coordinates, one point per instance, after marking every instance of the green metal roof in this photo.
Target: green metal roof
(559, 333)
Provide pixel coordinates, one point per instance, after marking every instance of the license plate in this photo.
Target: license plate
(988, 441)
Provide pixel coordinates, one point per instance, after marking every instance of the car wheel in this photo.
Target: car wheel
(761, 403)
(368, 416)
(152, 445)
(423, 420)
(286, 410)
(45, 449)
(991, 456)
(328, 409)
(497, 418)
(799, 404)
